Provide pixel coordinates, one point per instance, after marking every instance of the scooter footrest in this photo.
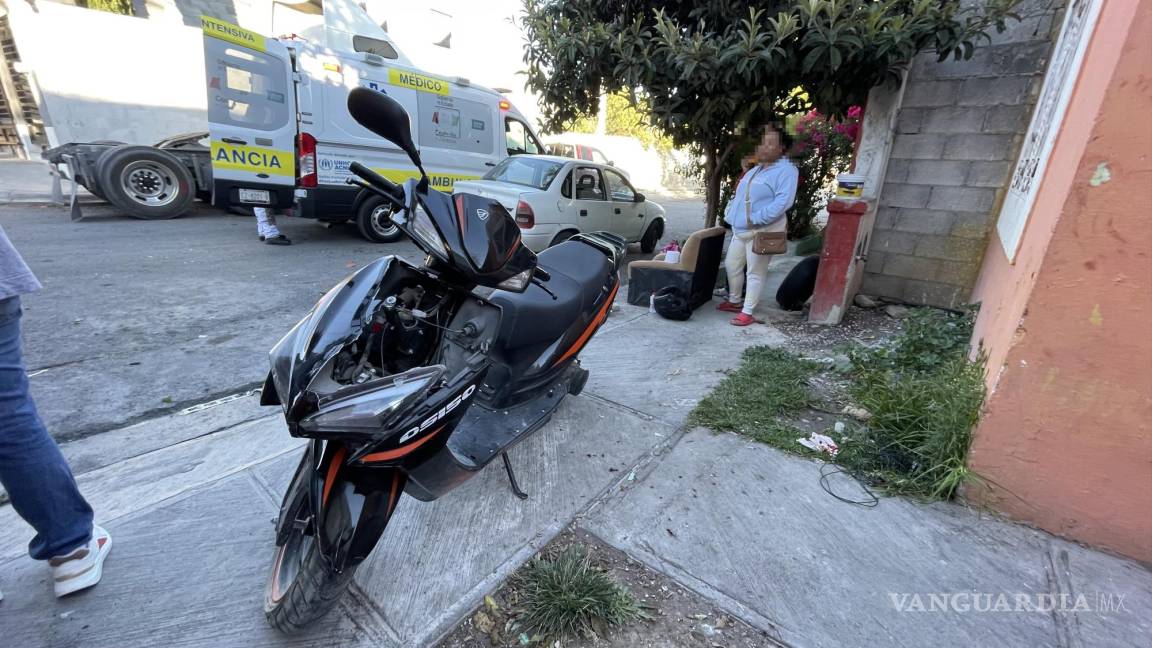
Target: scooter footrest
(483, 433)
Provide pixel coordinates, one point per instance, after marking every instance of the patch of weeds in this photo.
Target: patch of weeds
(924, 396)
(928, 338)
(567, 597)
(769, 384)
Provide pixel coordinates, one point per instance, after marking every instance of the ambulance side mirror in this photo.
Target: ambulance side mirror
(384, 116)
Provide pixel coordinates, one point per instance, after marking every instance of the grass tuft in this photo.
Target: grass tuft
(770, 383)
(921, 428)
(566, 596)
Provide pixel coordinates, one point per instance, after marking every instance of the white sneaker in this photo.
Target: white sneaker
(83, 567)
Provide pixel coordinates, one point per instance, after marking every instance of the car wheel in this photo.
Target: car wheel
(145, 182)
(651, 236)
(374, 220)
(562, 236)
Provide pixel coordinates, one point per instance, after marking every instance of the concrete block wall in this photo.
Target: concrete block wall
(958, 132)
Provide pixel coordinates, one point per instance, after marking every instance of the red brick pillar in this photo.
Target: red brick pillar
(841, 261)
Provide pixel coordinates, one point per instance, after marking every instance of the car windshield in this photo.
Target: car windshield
(525, 171)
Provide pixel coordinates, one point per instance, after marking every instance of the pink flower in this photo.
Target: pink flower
(818, 137)
(855, 112)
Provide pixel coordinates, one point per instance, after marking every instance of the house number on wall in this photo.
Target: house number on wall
(1059, 80)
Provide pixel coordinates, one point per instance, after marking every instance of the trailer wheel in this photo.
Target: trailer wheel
(93, 184)
(145, 182)
(374, 220)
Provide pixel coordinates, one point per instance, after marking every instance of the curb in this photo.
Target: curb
(22, 198)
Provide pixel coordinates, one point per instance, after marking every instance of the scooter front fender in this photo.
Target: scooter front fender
(347, 507)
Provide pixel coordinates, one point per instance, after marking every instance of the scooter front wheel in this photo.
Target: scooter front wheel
(302, 588)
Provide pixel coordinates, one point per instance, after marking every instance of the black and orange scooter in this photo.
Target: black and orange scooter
(406, 381)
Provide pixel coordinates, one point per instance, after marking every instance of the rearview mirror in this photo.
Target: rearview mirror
(384, 116)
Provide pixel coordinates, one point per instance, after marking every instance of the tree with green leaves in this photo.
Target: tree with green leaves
(123, 7)
(626, 116)
(711, 71)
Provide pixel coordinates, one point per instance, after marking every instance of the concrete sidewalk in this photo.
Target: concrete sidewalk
(190, 501)
(30, 181)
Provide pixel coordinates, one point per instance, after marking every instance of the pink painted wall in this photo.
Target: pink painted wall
(1067, 433)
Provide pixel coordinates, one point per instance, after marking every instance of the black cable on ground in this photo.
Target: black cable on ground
(825, 474)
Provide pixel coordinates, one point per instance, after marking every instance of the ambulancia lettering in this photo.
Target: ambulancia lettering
(248, 158)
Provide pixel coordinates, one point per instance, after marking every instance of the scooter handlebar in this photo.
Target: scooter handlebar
(373, 178)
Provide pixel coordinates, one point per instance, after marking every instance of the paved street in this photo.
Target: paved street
(139, 318)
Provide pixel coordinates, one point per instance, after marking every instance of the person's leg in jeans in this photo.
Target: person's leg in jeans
(38, 480)
(757, 271)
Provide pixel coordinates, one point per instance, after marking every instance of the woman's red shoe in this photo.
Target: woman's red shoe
(743, 319)
(729, 306)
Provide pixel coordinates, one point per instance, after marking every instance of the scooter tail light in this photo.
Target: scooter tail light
(306, 160)
(525, 218)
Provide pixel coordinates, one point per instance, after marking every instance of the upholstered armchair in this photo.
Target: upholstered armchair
(694, 274)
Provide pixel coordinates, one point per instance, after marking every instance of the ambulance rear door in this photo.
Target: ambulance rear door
(252, 116)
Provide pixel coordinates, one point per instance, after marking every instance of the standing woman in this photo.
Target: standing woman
(760, 203)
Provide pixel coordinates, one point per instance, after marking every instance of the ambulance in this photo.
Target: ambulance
(281, 135)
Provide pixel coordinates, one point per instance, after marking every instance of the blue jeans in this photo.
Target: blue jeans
(35, 474)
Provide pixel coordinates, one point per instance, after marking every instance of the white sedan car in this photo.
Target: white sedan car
(554, 197)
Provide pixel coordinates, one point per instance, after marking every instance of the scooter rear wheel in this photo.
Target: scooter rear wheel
(302, 588)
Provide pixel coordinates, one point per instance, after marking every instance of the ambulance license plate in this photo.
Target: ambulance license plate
(258, 196)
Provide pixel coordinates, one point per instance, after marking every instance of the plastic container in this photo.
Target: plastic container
(849, 185)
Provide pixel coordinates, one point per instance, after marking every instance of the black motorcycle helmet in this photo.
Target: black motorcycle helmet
(670, 303)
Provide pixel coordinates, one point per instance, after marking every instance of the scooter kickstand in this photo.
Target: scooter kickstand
(512, 477)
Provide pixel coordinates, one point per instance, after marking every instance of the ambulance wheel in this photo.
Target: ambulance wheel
(145, 182)
(374, 220)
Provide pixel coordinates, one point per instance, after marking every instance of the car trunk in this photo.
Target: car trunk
(505, 193)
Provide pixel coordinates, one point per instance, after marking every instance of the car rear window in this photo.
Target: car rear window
(525, 171)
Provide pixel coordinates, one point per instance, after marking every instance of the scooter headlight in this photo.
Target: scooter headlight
(367, 408)
(423, 229)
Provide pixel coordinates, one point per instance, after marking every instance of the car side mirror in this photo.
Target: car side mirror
(638, 197)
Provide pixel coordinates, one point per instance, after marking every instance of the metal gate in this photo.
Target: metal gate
(20, 122)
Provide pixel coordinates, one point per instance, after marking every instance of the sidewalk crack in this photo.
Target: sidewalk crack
(1057, 569)
(356, 605)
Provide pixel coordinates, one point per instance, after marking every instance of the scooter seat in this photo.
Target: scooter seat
(579, 262)
(578, 273)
